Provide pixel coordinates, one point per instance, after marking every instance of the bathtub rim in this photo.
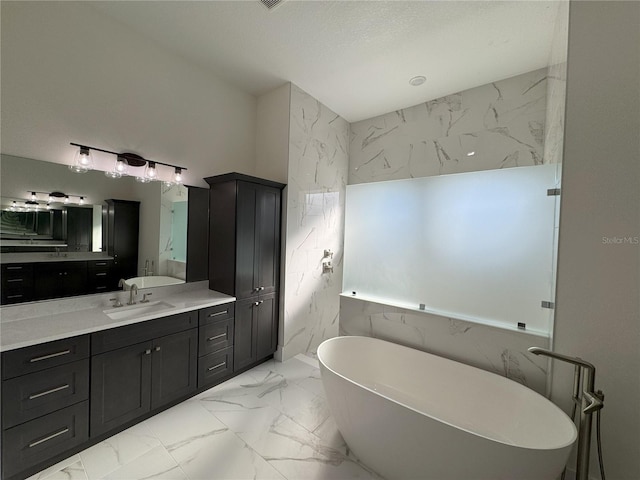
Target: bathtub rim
(467, 430)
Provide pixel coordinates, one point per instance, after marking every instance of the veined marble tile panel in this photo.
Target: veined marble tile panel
(503, 123)
(317, 177)
(496, 350)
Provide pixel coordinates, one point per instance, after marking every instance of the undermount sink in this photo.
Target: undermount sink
(133, 311)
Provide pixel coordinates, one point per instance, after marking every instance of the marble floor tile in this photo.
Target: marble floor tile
(182, 424)
(155, 464)
(250, 420)
(118, 450)
(271, 422)
(70, 468)
(298, 454)
(222, 456)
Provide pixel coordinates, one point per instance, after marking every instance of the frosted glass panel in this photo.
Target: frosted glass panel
(476, 245)
(179, 231)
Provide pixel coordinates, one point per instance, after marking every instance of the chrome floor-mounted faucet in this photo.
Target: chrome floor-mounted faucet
(589, 400)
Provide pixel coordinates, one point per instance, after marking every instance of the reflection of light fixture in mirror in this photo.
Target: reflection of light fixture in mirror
(81, 200)
(143, 179)
(83, 160)
(150, 170)
(14, 205)
(34, 197)
(177, 175)
(66, 199)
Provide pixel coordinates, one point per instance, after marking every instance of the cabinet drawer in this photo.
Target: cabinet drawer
(214, 314)
(99, 264)
(17, 274)
(43, 438)
(30, 396)
(215, 336)
(140, 332)
(46, 355)
(214, 367)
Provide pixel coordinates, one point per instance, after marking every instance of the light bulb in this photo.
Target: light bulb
(33, 196)
(48, 206)
(121, 165)
(81, 200)
(83, 161)
(66, 199)
(151, 171)
(177, 175)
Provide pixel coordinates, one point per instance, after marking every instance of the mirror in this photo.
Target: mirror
(162, 246)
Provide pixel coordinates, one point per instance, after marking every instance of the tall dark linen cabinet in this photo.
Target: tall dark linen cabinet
(244, 259)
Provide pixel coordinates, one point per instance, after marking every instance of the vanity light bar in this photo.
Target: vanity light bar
(53, 197)
(132, 160)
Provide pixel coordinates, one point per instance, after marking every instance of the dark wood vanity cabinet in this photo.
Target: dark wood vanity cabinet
(60, 397)
(17, 283)
(256, 329)
(45, 408)
(138, 368)
(120, 232)
(59, 279)
(244, 259)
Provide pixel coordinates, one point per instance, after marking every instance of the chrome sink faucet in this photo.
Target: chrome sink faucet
(133, 290)
(590, 401)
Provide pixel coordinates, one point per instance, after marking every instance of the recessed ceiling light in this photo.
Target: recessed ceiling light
(417, 81)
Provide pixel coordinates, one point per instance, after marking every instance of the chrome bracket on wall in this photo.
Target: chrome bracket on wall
(327, 267)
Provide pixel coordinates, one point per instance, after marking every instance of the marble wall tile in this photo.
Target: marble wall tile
(496, 350)
(503, 123)
(317, 177)
(557, 87)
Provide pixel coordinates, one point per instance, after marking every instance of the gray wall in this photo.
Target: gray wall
(598, 284)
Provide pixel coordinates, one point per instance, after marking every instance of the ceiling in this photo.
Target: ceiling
(356, 57)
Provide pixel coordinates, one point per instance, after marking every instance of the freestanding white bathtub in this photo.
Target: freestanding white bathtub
(408, 414)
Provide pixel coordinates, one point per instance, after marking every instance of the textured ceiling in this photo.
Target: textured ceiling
(356, 57)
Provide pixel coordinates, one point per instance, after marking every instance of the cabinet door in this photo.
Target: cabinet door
(59, 279)
(255, 330)
(267, 240)
(245, 240)
(258, 239)
(244, 347)
(122, 222)
(120, 386)
(79, 229)
(174, 367)
(266, 325)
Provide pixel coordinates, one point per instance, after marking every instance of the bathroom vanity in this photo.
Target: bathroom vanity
(71, 377)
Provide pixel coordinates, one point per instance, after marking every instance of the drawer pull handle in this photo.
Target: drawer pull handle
(14, 296)
(217, 314)
(53, 390)
(101, 288)
(50, 437)
(156, 349)
(102, 274)
(13, 280)
(101, 264)
(147, 351)
(216, 337)
(14, 268)
(51, 355)
(217, 366)
(258, 303)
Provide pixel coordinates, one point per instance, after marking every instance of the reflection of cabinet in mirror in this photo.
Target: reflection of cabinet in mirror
(79, 229)
(120, 235)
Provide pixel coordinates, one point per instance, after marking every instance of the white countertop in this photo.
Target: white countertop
(32, 330)
(38, 257)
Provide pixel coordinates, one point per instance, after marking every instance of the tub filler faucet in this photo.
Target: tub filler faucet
(589, 401)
